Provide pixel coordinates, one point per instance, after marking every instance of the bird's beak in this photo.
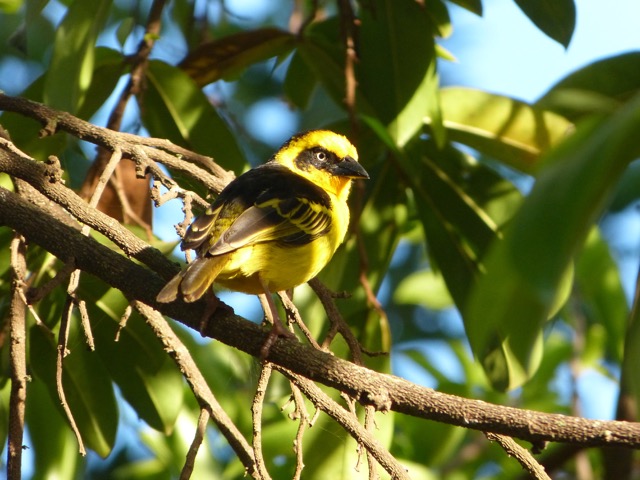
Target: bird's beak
(348, 167)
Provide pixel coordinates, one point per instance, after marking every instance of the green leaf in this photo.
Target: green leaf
(505, 129)
(452, 196)
(148, 379)
(425, 288)
(325, 59)
(125, 28)
(599, 87)
(528, 272)
(71, 69)
(175, 108)
(600, 289)
(228, 56)
(439, 15)
(299, 82)
(10, 6)
(629, 378)
(109, 66)
(474, 6)
(556, 18)
(397, 57)
(86, 383)
(54, 447)
(5, 393)
(627, 191)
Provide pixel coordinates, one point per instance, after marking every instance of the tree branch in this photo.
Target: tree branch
(385, 392)
(18, 353)
(207, 400)
(199, 167)
(522, 455)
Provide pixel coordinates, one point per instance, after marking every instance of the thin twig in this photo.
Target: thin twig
(256, 415)
(294, 315)
(86, 325)
(369, 425)
(522, 455)
(337, 322)
(128, 212)
(348, 421)
(103, 179)
(35, 294)
(301, 414)
(123, 321)
(100, 168)
(190, 460)
(18, 354)
(62, 352)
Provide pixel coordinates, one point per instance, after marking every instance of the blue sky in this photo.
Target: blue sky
(504, 52)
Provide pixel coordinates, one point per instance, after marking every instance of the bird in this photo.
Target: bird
(275, 226)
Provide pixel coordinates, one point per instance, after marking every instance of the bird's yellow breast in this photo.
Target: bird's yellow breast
(284, 267)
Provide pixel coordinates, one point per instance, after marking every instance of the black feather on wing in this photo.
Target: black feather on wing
(268, 203)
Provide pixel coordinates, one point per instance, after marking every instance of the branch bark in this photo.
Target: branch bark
(18, 353)
(384, 392)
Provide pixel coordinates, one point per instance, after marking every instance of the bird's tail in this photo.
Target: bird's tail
(194, 281)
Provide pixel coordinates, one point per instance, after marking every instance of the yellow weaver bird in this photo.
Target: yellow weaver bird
(275, 226)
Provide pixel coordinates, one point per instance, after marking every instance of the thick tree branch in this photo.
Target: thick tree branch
(39, 176)
(385, 392)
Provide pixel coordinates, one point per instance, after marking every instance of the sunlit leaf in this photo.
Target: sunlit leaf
(425, 288)
(505, 129)
(528, 272)
(556, 18)
(228, 56)
(109, 66)
(10, 6)
(71, 69)
(175, 108)
(601, 86)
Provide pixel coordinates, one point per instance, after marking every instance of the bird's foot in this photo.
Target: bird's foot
(212, 303)
(277, 330)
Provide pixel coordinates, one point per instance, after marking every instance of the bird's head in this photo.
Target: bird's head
(326, 158)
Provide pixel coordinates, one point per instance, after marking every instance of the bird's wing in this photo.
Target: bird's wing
(290, 221)
(201, 228)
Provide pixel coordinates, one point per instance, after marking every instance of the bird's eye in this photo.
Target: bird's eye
(321, 155)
